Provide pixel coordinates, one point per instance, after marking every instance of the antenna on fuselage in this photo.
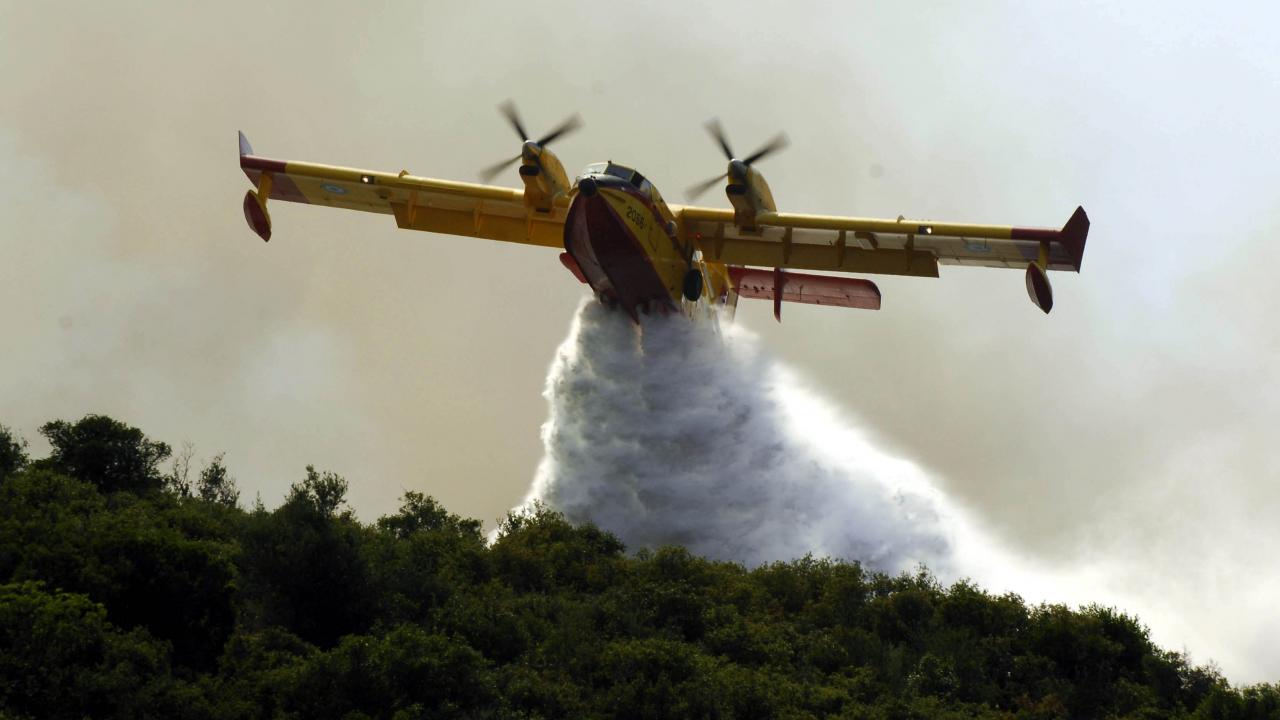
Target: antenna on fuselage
(737, 168)
(532, 148)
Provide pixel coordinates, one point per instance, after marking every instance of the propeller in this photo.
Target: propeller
(508, 110)
(736, 166)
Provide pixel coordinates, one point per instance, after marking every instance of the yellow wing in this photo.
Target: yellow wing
(418, 203)
(869, 245)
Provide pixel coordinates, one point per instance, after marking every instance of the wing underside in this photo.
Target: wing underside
(777, 240)
(866, 245)
(417, 203)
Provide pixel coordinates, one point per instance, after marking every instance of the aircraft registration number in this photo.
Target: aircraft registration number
(636, 217)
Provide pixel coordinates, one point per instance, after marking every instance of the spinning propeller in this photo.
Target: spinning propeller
(531, 147)
(737, 171)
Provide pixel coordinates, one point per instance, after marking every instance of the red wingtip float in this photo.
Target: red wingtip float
(636, 251)
(255, 202)
(1038, 287)
(255, 213)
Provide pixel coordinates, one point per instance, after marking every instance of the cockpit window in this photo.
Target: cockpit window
(619, 171)
(622, 172)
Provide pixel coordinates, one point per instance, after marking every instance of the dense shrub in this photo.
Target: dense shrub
(126, 592)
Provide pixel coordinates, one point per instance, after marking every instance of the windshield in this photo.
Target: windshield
(622, 172)
(619, 171)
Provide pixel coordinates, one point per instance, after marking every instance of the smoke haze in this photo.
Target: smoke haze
(1124, 445)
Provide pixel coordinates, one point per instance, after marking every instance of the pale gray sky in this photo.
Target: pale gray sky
(1133, 427)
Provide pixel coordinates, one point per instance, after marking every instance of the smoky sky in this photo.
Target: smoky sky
(1126, 437)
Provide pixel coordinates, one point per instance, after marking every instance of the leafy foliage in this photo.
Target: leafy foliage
(304, 567)
(106, 453)
(216, 486)
(13, 452)
(125, 592)
(60, 657)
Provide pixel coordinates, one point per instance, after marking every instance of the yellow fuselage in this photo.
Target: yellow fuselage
(624, 239)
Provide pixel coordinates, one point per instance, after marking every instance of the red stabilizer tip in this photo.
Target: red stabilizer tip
(1073, 236)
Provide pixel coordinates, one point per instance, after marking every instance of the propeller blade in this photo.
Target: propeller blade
(771, 147)
(567, 126)
(492, 171)
(508, 109)
(692, 193)
(717, 132)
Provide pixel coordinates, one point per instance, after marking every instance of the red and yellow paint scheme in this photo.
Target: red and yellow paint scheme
(619, 236)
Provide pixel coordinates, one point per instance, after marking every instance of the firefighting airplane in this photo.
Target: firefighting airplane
(639, 253)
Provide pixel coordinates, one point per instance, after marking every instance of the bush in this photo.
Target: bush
(121, 596)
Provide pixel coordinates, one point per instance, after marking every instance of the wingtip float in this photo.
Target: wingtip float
(255, 201)
(635, 251)
(1071, 238)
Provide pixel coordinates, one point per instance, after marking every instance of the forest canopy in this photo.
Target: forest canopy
(132, 585)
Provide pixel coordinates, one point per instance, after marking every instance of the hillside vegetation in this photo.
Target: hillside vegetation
(129, 590)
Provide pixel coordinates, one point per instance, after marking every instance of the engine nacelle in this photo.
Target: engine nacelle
(543, 177)
(537, 191)
(748, 193)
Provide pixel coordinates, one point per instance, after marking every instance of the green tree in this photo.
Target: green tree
(540, 550)
(60, 658)
(421, 513)
(422, 556)
(118, 601)
(325, 492)
(408, 672)
(305, 566)
(654, 678)
(45, 528)
(13, 455)
(106, 453)
(216, 485)
(151, 574)
(133, 555)
(259, 671)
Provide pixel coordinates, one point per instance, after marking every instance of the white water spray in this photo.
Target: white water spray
(678, 435)
(675, 434)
